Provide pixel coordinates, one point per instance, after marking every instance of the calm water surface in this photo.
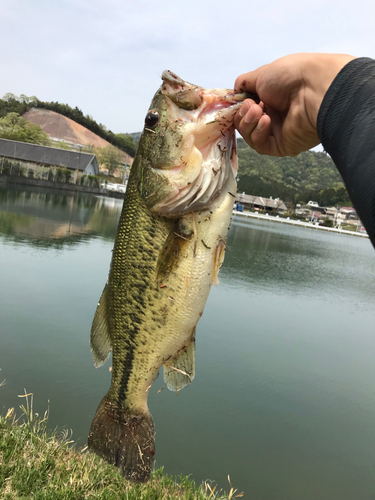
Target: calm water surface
(284, 395)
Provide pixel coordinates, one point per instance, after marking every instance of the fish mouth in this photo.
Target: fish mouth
(189, 96)
(208, 159)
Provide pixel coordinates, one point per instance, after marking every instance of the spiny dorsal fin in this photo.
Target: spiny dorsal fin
(100, 339)
(179, 371)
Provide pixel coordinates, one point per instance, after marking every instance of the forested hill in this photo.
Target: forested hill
(12, 103)
(308, 176)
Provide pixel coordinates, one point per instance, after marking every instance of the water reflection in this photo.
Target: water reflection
(54, 218)
(265, 256)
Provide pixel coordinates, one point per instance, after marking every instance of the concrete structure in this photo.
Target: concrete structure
(361, 232)
(46, 156)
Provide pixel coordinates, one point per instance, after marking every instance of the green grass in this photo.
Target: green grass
(349, 227)
(39, 465)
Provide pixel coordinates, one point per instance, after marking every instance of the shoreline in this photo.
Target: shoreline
(292, 222)
(8, 179)
(37, 462)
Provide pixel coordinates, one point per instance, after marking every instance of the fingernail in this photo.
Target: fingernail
(243, 109)
(249, 115)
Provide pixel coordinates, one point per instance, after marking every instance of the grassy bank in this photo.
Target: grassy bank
(46, 466)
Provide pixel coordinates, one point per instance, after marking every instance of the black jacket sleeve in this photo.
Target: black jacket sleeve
(346, 128)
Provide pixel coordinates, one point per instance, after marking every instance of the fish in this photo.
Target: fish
(169, 247)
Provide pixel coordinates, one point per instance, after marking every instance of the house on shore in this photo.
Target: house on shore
(312, 211)
(49, 157)
(259, 203)
(347, 213)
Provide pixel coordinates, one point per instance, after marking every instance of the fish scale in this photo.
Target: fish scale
(134, 293)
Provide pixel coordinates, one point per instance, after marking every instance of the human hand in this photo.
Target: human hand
(291, 90)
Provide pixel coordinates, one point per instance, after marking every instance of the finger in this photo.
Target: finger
(262, 138)
(277, 120)
(246, 105)
(266, 143)
(259, 137)
(249, 121)
(250, 112)
(247, 82)
(283, 143)
(240, 85)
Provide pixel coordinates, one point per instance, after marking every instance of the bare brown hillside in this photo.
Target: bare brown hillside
(62, 128)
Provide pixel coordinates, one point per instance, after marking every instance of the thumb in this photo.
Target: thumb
(248, 81)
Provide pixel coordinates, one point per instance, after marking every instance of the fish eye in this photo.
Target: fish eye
(152, 118)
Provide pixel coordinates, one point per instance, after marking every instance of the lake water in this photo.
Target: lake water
(284, 395)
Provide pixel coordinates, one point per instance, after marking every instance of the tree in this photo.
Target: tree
(16, 128)
(88, 149)
(126, 143)
(291, 179)
(9, 97)
(11, 103)
(29, 101)
(110, 157)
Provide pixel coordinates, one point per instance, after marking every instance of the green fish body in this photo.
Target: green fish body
(168, 251)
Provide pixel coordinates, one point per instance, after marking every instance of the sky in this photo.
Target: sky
(106, 57)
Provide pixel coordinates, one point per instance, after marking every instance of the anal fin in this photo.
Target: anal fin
(179, 371)
(100, 339)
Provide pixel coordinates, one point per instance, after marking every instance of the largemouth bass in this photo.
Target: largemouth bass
(169, 247)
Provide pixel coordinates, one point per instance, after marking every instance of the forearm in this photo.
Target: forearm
(346, 128)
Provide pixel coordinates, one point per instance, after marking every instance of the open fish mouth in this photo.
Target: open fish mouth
(207, 146)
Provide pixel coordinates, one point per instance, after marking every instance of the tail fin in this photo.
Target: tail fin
(125, 439)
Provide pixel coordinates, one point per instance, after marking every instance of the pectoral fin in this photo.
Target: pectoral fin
(174, 247)
(179, 371)
(100, 340)
(218, 261)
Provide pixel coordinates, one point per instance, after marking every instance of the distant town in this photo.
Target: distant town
(343, 217)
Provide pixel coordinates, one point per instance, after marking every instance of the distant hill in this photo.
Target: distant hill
(309, 176)
(12, 103)
(64, 129)
(135, 136)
